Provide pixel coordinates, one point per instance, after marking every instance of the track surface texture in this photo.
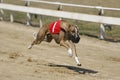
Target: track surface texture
(49, 61)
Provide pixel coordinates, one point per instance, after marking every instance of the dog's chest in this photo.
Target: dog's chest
(54, 27)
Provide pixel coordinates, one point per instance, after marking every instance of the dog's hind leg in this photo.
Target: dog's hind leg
(34, 42)
(48, 38)
(34, 35)
(38, 38)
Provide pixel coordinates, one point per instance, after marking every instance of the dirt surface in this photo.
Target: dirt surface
(49, 61)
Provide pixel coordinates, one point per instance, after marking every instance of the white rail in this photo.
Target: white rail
(62, 14)
(73, 5)
(100, 8)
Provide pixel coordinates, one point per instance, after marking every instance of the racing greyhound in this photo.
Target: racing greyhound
(66, 36)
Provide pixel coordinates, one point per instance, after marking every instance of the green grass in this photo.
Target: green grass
(86, 28)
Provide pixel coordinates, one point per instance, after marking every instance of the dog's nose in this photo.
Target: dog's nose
(75, 39)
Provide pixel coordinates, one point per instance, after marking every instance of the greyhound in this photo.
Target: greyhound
(67, 37)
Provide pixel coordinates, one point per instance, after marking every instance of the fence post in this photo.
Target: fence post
(28, 19)
(41, 23)
(102, 31)
(102, 28)
(60, 9)
(2, 12)
(11, 17)
(27, 3)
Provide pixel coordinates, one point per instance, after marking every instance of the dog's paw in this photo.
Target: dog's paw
(79, 64)
(77, 61)
(70, 52)
(29, 47)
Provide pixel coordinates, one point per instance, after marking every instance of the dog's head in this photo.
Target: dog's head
(74, 34)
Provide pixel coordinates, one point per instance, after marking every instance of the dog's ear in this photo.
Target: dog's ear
(70, 28)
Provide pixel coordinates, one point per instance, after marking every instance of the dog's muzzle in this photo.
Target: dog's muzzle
(75, 39)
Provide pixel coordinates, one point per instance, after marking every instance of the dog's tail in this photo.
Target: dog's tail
(34, 35)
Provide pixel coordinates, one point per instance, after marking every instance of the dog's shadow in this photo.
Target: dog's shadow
(75, 69)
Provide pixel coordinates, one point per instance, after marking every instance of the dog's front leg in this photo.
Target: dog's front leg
(66, 45)
(75, 53)
(76, 56)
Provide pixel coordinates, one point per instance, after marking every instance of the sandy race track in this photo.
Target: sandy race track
(49, 61)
